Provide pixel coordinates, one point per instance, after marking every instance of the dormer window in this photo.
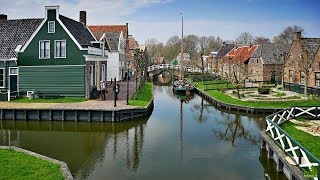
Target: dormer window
(51, 27)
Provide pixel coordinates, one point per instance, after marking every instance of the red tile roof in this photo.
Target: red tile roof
(98, 31)
(132, 43)
(241, 54)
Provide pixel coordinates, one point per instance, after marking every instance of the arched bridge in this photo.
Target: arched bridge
(159, 67)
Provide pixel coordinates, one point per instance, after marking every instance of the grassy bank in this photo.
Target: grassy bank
(143, 97)
(311, 143)
(58, 100)
(260, 104)
(17, 165)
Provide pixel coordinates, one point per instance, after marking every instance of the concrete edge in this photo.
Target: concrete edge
(237, 107)
(63, 166)
(293, 168)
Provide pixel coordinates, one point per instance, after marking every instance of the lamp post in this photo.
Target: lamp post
(128, 82)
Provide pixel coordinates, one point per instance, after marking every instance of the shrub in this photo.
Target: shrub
(263, 90)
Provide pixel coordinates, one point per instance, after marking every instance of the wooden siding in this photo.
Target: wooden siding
(6, 69)
(60, 80)
(30, 57)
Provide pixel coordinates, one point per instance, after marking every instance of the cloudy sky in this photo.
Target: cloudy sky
(160, 19)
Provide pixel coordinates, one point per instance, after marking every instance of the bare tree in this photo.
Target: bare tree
(236, 74)
(245, 38)
(306, 60)
(261, 40)
(286, 36)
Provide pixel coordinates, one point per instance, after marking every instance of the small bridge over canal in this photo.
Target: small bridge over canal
(155, 69)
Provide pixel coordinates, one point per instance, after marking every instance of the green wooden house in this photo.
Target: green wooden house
(13, 35)
(61, 58)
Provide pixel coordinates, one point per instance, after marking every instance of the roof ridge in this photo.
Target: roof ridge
(69, 18)
(23, 19)
(106, 25)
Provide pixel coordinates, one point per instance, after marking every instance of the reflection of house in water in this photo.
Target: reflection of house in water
(83, 146)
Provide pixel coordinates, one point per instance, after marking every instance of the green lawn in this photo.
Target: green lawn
(311, 143)
(260, 104)
(17, 165)
(143, 97)
(58, 100)
(216, 84)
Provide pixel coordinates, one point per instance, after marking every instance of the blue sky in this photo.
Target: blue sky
(160, 18)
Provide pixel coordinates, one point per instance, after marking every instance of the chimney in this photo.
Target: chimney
(3, 17)
(297, 36)
(83, 17)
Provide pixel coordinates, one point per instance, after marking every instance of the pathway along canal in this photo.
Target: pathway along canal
(203, 143)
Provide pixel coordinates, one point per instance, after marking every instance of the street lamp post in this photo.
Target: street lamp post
(128, 82)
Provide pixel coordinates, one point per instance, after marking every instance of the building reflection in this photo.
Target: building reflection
(81, 145)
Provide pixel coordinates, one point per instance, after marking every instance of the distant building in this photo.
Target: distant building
(266, 62)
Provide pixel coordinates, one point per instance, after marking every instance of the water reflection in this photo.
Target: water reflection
(179, 140)
(81, 145)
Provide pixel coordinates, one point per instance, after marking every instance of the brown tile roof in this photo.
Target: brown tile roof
(98, 31)
(133, 43)
(241, 54)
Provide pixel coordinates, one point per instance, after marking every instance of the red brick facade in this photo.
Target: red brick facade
(293, 69)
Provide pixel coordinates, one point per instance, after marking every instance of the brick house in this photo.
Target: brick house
(294, 66)
(266, 62)
(237, 60)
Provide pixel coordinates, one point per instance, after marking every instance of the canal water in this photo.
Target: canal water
(179, 140)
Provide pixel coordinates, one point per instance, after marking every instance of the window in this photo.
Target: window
(257, 60)
(317, 74)
(2, 77)
(13, 71)
(51, 27)
(290, 75)
(60, 49)
(302, 77)
(44, 49)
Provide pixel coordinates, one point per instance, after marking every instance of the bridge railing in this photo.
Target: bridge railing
(171, 66)
(301, 156)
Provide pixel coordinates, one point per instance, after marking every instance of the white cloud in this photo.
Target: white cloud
(122, 11)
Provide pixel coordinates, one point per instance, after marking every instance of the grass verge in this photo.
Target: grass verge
(17, 165)
(311, 143)
(143, 96)
(58, 100)
(260, 104)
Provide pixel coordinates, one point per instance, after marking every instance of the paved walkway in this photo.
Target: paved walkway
(95, 104)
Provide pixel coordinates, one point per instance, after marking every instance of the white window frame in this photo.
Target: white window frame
(315, 74)
(4, 78)
(54, 26)
(13, 73)
(290, 76)
(55, 53)
(40, 49)
(302, 77)
(17, 74)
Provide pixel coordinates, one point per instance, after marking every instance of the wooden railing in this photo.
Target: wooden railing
(301, 156)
